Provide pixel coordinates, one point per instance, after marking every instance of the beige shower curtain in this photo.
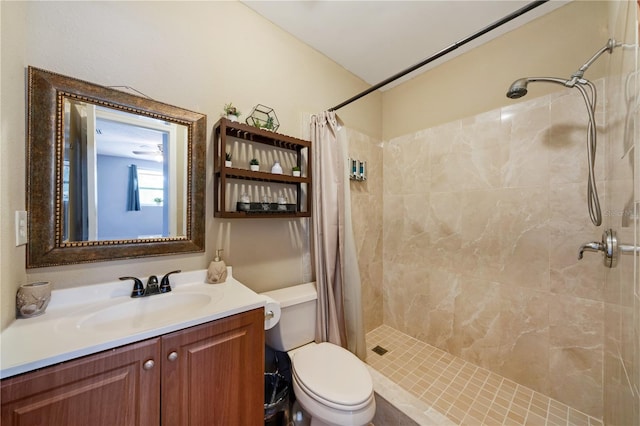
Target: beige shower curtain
(339, 317)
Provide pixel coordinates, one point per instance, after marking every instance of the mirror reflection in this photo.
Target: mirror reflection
(124, 175)
(110, 175)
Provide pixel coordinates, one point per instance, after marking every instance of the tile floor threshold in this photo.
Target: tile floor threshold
(463, 392)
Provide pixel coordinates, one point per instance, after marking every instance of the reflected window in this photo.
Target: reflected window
(65, 181)
(151, 187)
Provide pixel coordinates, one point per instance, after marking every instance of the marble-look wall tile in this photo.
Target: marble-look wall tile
(524, 337)
(393, 226)
(473, 168)
(467, 157)
(576, 334)
(528, 163)
(416, 172)
(619, 401)
(476, 327)
(392, 163)
(477, 252)
(367, 225)
(619, 135)
(444, 288)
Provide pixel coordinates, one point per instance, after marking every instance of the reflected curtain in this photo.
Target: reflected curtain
(77, 228)
(133, 192)
(339, 313)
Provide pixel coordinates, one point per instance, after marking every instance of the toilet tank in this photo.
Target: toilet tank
(297, 325)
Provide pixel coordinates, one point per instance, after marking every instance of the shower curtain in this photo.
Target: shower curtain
(339, 314)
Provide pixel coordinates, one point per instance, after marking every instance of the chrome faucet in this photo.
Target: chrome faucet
(593, 246)
(139, 290)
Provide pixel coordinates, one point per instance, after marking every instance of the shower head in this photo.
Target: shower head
(518, 88)
(588, 90)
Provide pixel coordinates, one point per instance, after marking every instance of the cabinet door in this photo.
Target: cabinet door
(212, 374)
(106, 389)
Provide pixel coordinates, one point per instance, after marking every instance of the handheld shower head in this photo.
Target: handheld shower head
(518, 88)
(588, 90)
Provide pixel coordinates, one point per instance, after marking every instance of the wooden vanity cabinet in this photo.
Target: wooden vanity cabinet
(105, 389)
(211, 374)
(217, 373)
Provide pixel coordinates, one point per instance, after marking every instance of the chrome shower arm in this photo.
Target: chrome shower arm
(611, 44)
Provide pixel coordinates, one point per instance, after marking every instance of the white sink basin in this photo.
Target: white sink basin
(145, 312)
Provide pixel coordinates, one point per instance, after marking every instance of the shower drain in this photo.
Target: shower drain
(380, 350)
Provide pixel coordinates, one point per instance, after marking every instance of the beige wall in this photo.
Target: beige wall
(197, 55)
(553, 45)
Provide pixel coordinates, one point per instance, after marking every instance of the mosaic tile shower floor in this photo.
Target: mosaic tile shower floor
(463, 392)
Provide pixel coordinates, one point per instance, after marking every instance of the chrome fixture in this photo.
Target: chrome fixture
(139, 290)
(609, 247)
(588, 90)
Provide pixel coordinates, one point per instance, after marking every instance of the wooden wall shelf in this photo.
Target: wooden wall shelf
(224, 132)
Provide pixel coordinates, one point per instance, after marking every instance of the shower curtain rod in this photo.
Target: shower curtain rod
(443, 52)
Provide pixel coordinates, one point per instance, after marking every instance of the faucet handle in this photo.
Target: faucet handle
(165, 285)
(138, 287)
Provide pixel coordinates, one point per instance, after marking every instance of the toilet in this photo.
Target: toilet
(330, 383)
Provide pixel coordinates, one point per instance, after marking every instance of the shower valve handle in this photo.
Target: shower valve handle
(609, 247)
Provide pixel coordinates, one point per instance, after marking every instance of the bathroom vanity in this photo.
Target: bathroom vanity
(199, 364)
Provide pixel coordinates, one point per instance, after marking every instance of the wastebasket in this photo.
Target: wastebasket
(276, 399)
(278, 395)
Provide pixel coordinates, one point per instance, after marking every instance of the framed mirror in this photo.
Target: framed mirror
(110, 175)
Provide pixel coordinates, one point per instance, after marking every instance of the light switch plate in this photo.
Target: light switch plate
(21, 228)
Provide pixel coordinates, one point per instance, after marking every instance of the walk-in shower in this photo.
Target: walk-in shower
(588, 90)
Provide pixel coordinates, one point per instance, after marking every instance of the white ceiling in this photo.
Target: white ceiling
(127, 140)
(377, 39)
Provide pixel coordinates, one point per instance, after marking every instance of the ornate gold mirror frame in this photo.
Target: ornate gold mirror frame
(47, 246)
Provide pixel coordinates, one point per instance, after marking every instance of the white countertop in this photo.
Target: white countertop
(59, 334)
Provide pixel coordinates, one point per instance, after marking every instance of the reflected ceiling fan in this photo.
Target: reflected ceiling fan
(149, 151)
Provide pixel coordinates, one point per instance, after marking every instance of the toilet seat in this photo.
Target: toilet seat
(333, 376)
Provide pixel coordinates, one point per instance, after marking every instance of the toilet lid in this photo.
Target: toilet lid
(333, 374)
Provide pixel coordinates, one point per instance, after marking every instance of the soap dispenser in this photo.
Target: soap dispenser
(217, 272)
